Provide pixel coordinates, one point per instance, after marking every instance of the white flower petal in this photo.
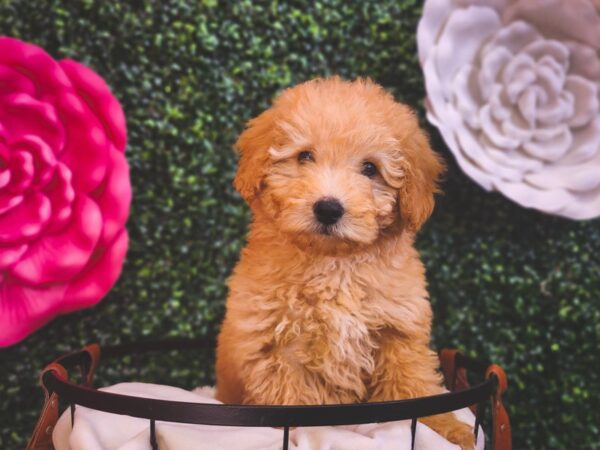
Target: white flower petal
(517, 64)
(479, 156)
(512, 158)
(550, 150)
(551, 82)
(493, 132)
(476, 174)
(557, 111)
(586, 99)
(547, 200)
(435, 13)
(527, 105)
(498, 5)
(513, 37)
(582, 178)
(492, 64)
(438, 105)
(585, 206)
(544, 134)
(517, 129)
(520, 81)
(466, 97)
(550, 63)
(500, 107)
(585, 61)
(559, 19)
(586, 143)
(556, 50)
(461, 40)
(509, 159)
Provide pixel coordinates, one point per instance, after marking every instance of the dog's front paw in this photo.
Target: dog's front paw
(461, 434)
(452, 429)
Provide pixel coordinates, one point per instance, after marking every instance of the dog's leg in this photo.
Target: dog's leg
(252, 371)
(274, 380)
(408, 369)
(271, 381)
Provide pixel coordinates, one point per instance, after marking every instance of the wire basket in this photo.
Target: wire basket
(57, 386)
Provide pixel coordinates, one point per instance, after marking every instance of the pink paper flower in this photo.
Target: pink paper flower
(64, 188)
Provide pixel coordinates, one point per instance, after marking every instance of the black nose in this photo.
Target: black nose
(328, 211)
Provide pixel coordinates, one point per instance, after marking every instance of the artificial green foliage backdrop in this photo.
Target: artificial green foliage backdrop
(508, 284)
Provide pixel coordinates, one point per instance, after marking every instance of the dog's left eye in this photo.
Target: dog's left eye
(305, 156)
(368, 169)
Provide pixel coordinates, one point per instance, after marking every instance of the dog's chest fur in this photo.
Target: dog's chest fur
(326, 313)
(325, 325)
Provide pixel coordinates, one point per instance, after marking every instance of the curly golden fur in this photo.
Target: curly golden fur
(333, 313)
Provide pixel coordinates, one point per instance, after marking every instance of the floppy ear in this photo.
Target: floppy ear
(423, 168)
(253, 146)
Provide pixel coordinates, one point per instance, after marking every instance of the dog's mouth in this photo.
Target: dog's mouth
(325, 230)
(328, 239)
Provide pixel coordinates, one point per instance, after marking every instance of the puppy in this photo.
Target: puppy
(328, 303)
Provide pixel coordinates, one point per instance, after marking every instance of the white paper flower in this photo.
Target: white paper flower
(514, 88)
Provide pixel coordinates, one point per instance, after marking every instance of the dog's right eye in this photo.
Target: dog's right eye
(305, 156)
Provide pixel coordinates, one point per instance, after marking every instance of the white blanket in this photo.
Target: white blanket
(95, 430)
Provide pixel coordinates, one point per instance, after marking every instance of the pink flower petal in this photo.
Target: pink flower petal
(114, 196)
(11, 254)
(21, 114)
(12, 80)
(99, 98)
(24, 309)
(98, 278)
(4, 177)
(4, 154)
(8, 201)
(43, 157)
(25, 221)
(22, 171)
(61, 256)
(86, 148)
(43, 70)
(61, 195)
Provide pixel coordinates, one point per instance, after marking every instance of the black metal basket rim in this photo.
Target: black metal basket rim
(255, 415)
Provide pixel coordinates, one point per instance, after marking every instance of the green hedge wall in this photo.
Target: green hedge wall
(508, 284)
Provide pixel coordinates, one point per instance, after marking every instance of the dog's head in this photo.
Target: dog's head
(337, 164)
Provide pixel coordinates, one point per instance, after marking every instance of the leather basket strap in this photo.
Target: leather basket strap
(502, 434)
(41, 439)
(448, 366)
(456, 377)
(88, 372)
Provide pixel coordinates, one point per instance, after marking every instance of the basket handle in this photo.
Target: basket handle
(41, 438)
(456, 379)
(502, 434)
(454, 376)
(88, 371)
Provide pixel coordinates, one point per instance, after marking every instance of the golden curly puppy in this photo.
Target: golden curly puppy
(328, 303)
